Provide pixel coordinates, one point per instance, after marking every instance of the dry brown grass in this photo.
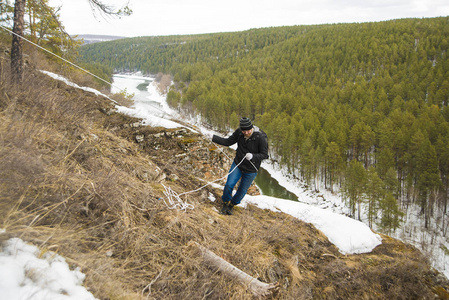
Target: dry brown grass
(73, 180)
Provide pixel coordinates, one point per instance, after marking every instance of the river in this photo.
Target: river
(140, 87)
(146, 97)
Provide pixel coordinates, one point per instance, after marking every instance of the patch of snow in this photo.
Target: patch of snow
(72, 84)
(348, 235)
(28, 273)
(147, 119)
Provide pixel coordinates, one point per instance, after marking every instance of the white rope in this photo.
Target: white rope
(174, 199)
(48, 51)
(257, 170)
(213, 181)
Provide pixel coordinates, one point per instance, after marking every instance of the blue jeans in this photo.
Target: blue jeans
(233, 178)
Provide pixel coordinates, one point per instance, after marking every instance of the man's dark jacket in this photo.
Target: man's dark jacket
(256, 144)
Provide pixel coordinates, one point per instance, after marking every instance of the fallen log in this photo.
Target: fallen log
(257, 287)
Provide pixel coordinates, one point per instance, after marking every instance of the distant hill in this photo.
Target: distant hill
(93, 38)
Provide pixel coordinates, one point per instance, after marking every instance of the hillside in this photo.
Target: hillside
(75, 181)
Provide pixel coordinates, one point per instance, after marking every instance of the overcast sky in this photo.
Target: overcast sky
(169, 17)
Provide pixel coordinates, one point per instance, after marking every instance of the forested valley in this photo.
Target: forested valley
(361, 107)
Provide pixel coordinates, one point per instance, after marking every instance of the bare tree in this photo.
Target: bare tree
(16, 47)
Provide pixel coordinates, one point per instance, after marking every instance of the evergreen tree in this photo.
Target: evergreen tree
(334, 162)
(17, 42)
(6, 13)
(428, 178)
(354, 186)
(391, 214)
(374, 194)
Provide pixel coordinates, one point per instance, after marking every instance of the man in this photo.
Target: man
(252, 148)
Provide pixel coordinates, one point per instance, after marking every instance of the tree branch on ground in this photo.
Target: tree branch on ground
(257, 287)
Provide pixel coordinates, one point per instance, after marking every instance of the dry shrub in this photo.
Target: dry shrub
(163, 82)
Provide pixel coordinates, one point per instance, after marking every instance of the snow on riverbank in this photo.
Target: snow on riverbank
(323, 199)
(151, 107)
(72, 84)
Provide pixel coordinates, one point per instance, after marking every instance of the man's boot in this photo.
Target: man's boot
(225, 208)
(230, 207)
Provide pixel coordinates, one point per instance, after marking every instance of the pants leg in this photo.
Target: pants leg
(245, 183)
(232, 180)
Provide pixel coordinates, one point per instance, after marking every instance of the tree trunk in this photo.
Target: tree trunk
(257, 287)
(445, 189)
(358, 209)
(16, 47)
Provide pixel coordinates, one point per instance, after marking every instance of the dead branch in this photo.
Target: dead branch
(257, 287)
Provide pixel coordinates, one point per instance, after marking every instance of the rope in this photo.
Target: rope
(257, 170)
(214, 180)
(174, 199)
(48, 51)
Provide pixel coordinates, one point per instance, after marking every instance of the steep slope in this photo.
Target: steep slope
(74, 180)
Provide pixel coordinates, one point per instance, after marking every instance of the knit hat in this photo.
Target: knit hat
(245, 124)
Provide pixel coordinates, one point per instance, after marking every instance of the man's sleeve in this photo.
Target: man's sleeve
(231, 140)
(263, 150)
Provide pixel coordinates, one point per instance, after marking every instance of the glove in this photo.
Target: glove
(249, 156)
